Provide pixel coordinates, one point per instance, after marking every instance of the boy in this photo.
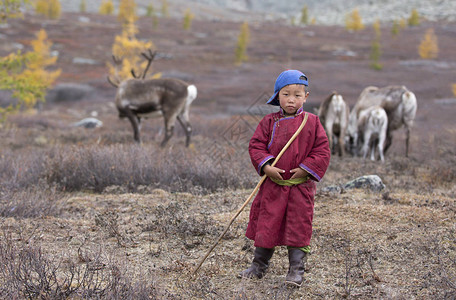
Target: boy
(282, 211)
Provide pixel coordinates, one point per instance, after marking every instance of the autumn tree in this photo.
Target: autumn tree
(49, 8)
(243, 40)
(11, 9)
(304, 15)
(428, 47)
(188, 17)
(127, 49)
(26, 74)
(453, 86)
(414, 19)
(376, 50)
(395, 28)
(106, 7)
(165, 9)
(353, 21)
(127, 11)
(82, 6)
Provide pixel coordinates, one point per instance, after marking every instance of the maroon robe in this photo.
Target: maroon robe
(282, 215)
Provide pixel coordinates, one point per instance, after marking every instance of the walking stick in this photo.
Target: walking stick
(304, 121)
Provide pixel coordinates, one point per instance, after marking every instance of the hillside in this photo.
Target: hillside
(88, 214)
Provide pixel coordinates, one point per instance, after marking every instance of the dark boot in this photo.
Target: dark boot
(297, 258)
(259, 265)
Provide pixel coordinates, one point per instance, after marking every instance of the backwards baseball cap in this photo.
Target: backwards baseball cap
(286, 78)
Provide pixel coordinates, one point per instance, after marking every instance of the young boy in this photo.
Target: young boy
(282, 211)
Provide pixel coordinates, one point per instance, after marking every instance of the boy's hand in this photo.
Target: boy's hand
(273, 172)
(298, 173)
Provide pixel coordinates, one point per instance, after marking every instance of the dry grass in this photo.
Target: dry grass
(144, 216)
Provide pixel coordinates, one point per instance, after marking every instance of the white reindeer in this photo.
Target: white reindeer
(169, 97)
(399, 104)
(373, 123)
(333, 114)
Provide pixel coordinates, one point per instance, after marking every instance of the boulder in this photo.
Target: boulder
(88, 123)
(68, 92)
(371, 182)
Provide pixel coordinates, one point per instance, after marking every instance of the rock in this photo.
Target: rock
(372, 182)
(332, 189)
(88, 123)
(68, 92)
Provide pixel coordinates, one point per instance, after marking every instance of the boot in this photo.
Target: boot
(259, 265)
(297, 258)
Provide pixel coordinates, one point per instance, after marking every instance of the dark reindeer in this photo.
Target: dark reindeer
(139, 97)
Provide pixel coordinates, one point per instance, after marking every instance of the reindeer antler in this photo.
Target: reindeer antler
(117, 63)
(149, 57)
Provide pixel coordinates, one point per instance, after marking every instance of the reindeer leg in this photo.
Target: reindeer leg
(187, 128)
(388, 141)
(169, 130)
(407, 141)
(134, 120)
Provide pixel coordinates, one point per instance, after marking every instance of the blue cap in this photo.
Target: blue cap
(286, 78)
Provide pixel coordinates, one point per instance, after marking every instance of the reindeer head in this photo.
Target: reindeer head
(118, 61)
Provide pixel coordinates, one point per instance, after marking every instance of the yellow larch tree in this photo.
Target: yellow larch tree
(429, 47)
(49, 8)
(353, 21)
(106, 7)
(243, 41)
(26, 75)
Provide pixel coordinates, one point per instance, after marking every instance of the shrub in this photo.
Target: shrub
(353, 21)
(428, 47)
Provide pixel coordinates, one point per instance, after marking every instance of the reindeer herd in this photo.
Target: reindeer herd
(368, 127)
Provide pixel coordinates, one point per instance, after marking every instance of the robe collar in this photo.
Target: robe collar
(298, 112)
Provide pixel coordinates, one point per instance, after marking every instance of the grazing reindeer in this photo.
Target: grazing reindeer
(399, 104)
(373, 124)
(137, 97)
(333, 114)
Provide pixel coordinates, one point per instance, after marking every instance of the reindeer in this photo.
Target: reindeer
(333, 114)
(373, 123)
(399, 104)
(169, 97)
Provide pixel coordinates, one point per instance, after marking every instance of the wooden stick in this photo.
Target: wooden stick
(263, 178)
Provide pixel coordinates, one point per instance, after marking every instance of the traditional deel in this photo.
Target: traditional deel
(281, 214)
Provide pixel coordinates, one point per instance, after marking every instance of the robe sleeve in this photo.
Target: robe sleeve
(258, 145)
(317, 161)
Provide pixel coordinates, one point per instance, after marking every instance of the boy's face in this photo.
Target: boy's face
(292, 97)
